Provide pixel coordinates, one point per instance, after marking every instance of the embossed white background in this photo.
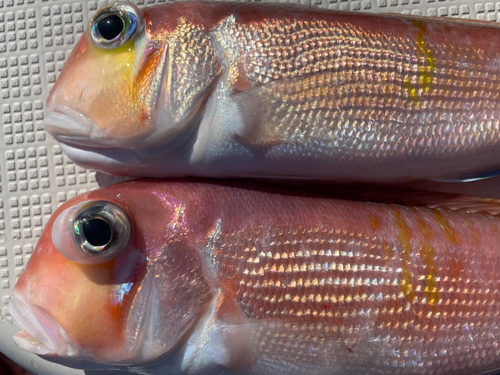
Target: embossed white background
(36, 37)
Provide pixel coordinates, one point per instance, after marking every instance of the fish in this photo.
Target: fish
(274, 91)
(204, 277)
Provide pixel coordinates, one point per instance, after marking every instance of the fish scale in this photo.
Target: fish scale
(330, 282)
(267, 91)
(364, 106)
(365, 66)
(259, 281)
(298, 44)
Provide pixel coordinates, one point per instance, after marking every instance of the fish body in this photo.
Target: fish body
(272, 91)
(251, 281)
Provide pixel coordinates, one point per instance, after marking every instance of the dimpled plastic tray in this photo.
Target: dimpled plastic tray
(36, 37)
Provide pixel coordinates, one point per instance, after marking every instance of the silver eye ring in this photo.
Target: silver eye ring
(101, 228)
(92, 232)
(115, 24)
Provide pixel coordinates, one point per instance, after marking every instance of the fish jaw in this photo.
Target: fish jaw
(153, 162)
(42, 334)
(64, 122)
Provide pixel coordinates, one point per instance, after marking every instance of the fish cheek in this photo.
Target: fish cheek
(88, 314)
(113, 103)
(100, 274)
(91, 303)
(107, 93)
(111, 291)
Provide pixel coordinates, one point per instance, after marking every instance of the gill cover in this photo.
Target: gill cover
(193, 70)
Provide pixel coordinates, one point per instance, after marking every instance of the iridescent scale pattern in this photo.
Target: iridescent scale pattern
(348, 300)
(193, 69)
(343, 90)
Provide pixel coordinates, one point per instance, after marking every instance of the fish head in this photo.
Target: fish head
(108, 88)
(135, 80)
(104, 282)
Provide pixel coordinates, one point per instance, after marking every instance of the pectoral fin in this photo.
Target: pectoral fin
(315, 106)
(178, 296)
(275, 113)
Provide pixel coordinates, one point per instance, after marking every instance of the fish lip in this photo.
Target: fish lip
(42, 334)
(64, 120)
(73, 128)
(70, 126)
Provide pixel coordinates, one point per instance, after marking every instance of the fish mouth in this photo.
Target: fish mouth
(42, 334)
(71, 126)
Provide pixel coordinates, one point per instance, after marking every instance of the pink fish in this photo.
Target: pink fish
(265, 282)
(273, 91)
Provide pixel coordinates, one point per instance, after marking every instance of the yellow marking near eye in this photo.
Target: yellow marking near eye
(116, 91)
(119, 58)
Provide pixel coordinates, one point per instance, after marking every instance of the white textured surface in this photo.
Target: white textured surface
(36, 37)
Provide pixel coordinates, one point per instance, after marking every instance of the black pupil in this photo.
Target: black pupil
(97, 232)
(110, 27)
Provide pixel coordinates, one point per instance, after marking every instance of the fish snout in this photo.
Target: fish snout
(41, 334)
(73, 128)
(66, 124)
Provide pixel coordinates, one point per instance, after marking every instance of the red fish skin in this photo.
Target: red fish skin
(305, 284)
(409, 280)
(385, 29)
(284, 92)
(164, 18)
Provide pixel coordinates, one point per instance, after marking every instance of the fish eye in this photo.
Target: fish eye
(92, 232)
(110, 26)
(115, 24)
(101, 227)
(97, 231)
